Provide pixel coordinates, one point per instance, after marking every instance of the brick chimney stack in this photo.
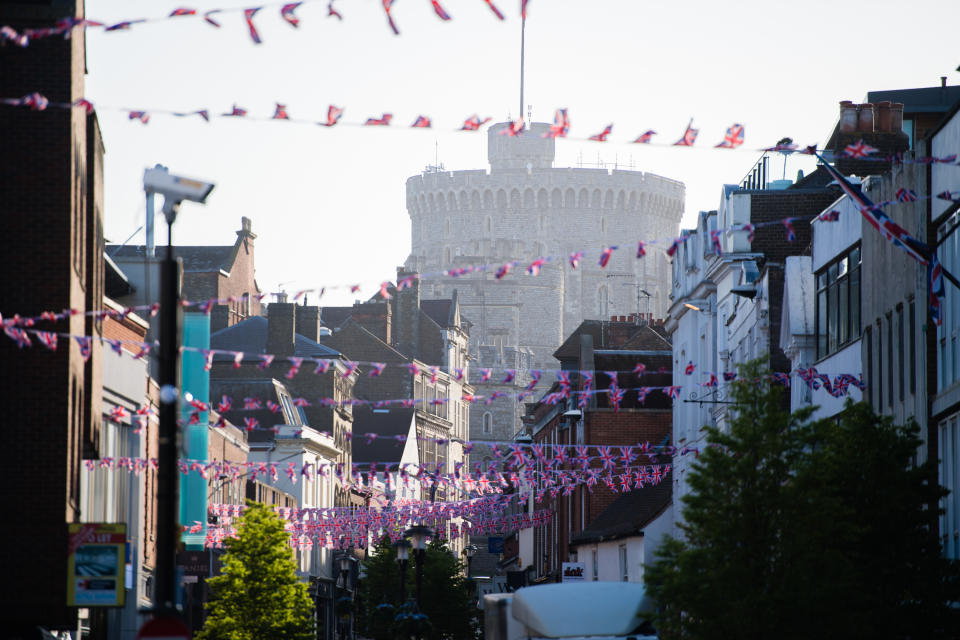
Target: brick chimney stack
(878, 125)
(406, 315)
(308, 322)
(281, 329)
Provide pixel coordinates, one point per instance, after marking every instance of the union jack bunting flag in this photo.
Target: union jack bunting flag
(19, 336)
(829, 216)
(182, 12)
(689, 136)
(644, 138)
(729, 376)
(265, 361)
(674, 245)
(280, 112)
(534, 268)
(641, 249)
(236, 112)
(224, 404)
(382, 121)
(690, 368)
(286, 12)
(209, 20)
(711, 381)
(493, 8)
(560, 126)
(251, 423)
(640, 369)
(47, 339)
(906, 195)
(485, 374)
(509, 375)
(858, 150)
(376, 368)
(323, 366)
(602, 136)
(142, 116)
(715, 241)
(952, 196)
(473, 123)
(733, 137)
(333, 116)
(441, 13)
(605, 256)
(575, 259)
(878, 219)
(791, 234)
(514, 128)
(422, 122)
(248, 16)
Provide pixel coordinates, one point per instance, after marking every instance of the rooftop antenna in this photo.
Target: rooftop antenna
(523, 30)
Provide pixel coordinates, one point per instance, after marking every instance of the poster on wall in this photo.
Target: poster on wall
(573, 572)
(95, 565)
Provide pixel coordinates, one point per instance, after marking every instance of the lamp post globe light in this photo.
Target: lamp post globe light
(418, 535)
(345, 601)
(403, 556)
(174, 189)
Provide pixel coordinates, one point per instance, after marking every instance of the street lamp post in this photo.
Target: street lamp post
(175, 190)
(418, 536)
(346, 559)
(403, 554)
(469, 550)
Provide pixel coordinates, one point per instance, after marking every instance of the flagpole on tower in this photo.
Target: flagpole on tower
(523, 29)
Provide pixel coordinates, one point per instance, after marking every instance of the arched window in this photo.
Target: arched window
(489, 225)
(603, 224)
(446, 226)
(487, 423)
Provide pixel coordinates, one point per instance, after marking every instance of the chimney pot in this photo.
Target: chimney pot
(848, 117)
(883, 117)
(896, 117)
(865, 120)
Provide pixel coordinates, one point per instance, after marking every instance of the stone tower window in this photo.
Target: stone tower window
(603, 224)
(489, 225)
(446, 226)
(603, 302)
(487, 423)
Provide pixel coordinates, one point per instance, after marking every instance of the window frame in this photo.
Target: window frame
(838, 323)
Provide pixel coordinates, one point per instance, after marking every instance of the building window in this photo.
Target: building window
(838, 303)
(603, 303)
(913, 347)
(901, 350)
(890, 359)
(596, 565)
(624, 572)
(487, 423)
(949, 448)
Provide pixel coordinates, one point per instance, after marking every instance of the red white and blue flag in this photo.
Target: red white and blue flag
(791, 234)
(422, 122)
(689, 136)
(858, 150)
(473, 123)
(906, 195)
(382, 121)
(443, 15)
(935, 282)
(286, 12)
(560, 126)
(644, 138)
(602, 136)
(248, 16)
(733, 137)
(605, 256)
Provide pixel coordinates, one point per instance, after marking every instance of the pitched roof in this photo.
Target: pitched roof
(357, 343)
(250, 336)
(333, 317)
(628, 514)
(641, 338)
(195, 258)
(385, 448)
(438, 310)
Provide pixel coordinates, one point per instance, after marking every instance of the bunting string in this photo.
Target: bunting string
(733, 139)
(65, 27)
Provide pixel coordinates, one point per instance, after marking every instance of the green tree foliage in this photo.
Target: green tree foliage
(257, 596)
(799, 529)
(447, 599)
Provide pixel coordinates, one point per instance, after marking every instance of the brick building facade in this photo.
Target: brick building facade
(51, 198)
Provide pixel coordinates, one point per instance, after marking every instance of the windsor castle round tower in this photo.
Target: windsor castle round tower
(524, 208)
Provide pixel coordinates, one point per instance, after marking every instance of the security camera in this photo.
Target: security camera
(174, 189)
(160, 180)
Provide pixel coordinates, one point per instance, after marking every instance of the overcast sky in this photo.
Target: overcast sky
(328, 204)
